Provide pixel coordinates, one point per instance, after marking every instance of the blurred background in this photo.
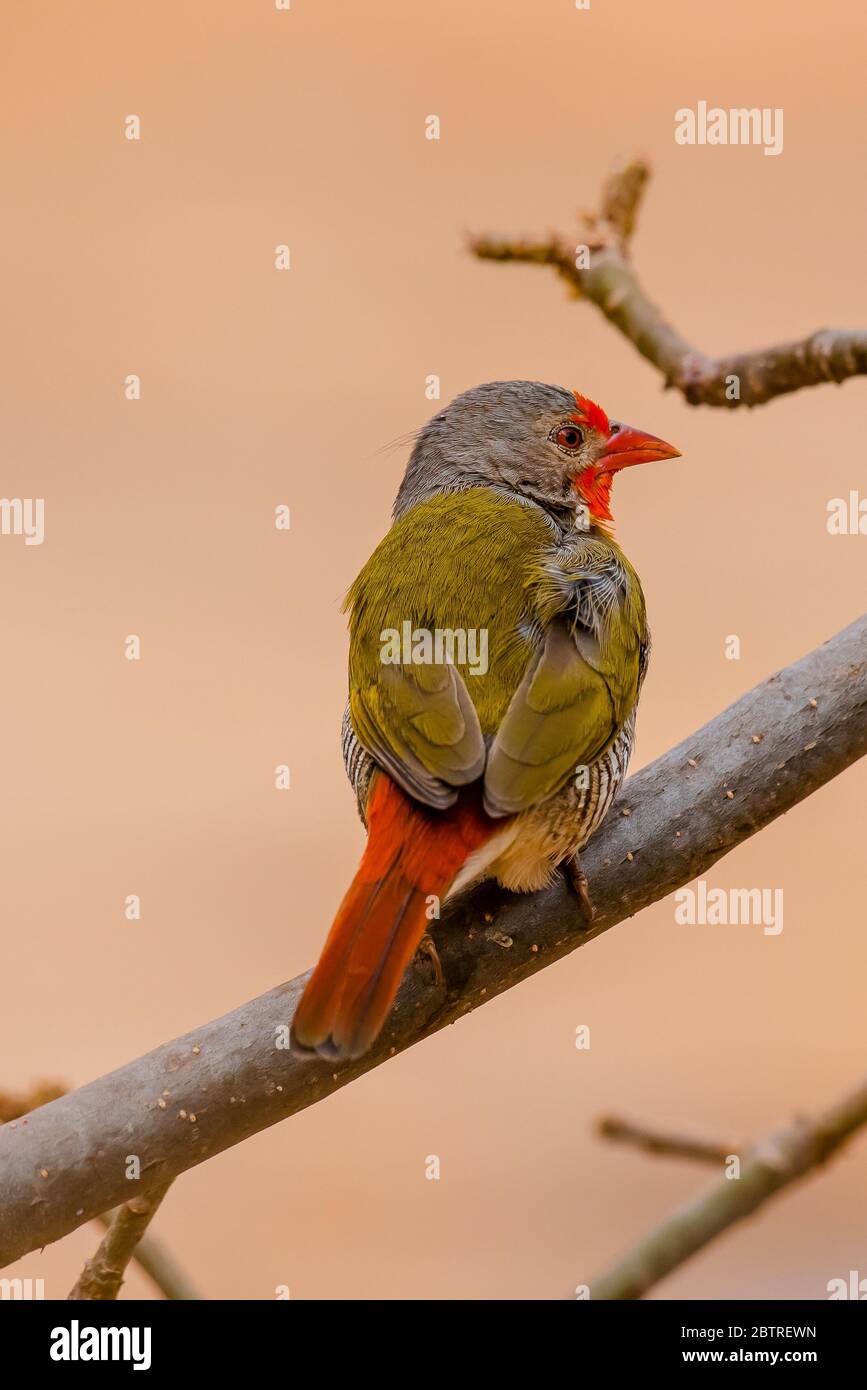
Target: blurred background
(306, 127)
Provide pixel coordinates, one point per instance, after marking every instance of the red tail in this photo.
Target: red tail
(411, 853)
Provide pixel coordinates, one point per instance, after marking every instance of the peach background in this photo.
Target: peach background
(306, 127)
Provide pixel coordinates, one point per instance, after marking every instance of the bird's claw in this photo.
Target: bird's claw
(577, 880)
(427, 948)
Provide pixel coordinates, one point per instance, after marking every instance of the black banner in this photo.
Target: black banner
(186, 1339)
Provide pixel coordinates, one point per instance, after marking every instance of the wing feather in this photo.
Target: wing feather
(560, 717)
(420, 724)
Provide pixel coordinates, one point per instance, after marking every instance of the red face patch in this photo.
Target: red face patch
(595, 490)
(589, 413)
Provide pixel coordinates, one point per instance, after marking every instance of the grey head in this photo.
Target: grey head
(520, 437)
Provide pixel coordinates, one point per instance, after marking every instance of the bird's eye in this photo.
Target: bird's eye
(568, 437)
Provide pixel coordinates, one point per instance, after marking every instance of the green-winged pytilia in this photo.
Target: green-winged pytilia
(498, 644)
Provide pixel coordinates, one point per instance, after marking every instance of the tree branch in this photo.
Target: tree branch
(612, 285)
(656, 1142)
(102, 1276)
(775, 1163)
(194, 1097)
(150, 1255)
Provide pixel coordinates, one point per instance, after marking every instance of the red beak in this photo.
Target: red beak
(627, 446)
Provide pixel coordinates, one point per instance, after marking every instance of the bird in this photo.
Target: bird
(498, 647)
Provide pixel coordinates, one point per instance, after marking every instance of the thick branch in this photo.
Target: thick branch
(194, 1097)
(777, 1162)
(662, 1143)
(149, 1254)
(102, 1276)
(612, 285)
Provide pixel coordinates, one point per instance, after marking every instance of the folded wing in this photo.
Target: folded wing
(421, 726)
(561, 717)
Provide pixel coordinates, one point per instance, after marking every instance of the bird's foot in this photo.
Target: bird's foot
(577, 880)
(426, 947)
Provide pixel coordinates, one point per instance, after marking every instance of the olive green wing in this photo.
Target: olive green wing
(562, 716)
(421, 726)
(454, 563)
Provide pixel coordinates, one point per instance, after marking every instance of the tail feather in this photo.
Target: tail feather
(411, 854)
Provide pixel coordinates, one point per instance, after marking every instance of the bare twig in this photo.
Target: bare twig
(102, 1276)
(656, 1142)
(159, 1265)
(196, 1096)
(777, 1162)
(745, 378)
